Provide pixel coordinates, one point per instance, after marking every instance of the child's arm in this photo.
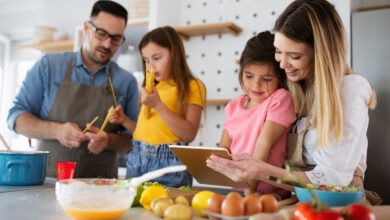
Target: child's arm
(225, 141)
(118, 117)
(185, 128)
(268, 137)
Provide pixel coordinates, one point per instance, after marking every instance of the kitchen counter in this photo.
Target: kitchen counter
(39, 202)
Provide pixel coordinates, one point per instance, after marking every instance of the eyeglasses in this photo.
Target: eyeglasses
(102, 35)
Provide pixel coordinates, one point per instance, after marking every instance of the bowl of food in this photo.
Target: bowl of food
(102, 199)
(94, 198)
(331, 195)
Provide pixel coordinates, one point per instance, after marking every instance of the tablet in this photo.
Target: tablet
(195, 160)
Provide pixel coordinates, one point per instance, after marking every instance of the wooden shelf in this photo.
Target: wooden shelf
(138, 22)
(50, 47)
(207, 29)
(217, 101)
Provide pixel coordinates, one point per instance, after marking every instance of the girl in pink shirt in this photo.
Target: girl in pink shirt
(258, 122)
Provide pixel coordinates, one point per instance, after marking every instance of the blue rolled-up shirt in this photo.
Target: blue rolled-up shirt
(42, 81)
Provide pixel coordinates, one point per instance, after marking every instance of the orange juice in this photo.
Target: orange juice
(98, 215)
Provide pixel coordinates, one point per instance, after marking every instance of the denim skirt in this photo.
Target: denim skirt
(145, 157)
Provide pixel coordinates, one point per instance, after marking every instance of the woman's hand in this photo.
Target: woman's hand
(151, 100)
(242, 167)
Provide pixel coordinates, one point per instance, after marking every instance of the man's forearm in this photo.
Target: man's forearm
(119, 142)
(31, 126)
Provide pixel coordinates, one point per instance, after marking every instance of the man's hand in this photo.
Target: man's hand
(70, 135)
(97, 142)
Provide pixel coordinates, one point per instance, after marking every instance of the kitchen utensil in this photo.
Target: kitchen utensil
(90, 124)
(5, 144)
(112, 90)
(106, 120)
(102, 198)
(330, 198)
(22, 167)
(154, 174)
(65, 170)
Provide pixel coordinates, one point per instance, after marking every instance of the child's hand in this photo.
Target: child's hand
(117, 116)
(150, 99)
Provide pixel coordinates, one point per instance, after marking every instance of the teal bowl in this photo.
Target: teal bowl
(330, 198)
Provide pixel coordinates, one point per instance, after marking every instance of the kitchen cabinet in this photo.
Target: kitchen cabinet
(370, 58)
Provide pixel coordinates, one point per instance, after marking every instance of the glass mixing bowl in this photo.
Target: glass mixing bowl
(95, 198)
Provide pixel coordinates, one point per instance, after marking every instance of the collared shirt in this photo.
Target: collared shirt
(42, 81)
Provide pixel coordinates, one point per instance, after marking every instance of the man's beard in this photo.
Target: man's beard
(94, 57)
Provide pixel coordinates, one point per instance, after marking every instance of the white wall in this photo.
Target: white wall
(212, 58)
(217, 69)
(18, 17)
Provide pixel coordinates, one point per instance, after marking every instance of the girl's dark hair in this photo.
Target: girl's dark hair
(258, 50)
(109, 7)
(168, 38)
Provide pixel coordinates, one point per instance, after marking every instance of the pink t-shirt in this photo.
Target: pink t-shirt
(244, 127)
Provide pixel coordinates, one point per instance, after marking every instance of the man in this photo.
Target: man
(65, 91)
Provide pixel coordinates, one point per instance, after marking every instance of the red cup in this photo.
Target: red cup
(65, 170)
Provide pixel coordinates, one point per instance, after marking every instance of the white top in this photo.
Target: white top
(335, 164)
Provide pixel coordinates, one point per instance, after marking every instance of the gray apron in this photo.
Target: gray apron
(80, 103)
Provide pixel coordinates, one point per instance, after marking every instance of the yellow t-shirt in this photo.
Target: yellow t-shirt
(154, 130)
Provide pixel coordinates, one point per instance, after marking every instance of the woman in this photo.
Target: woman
(330, 100)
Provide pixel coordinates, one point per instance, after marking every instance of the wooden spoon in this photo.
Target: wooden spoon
(5, 144)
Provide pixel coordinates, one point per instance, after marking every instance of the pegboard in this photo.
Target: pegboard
(212, 58)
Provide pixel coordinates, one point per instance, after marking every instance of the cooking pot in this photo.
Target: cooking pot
(22, 167)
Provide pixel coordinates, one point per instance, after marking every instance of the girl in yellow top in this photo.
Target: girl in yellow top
(175, 108)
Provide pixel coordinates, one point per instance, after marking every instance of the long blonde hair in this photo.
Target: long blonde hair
(317, 24)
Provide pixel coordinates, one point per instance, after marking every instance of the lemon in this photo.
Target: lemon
(199, 202)
(151, 193)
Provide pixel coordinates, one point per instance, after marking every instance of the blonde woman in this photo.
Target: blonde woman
(331, 101)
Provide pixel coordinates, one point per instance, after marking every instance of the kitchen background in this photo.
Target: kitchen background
(212, 57)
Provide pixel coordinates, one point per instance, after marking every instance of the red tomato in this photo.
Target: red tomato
(323, 187)
(357, 212)
(305, 211)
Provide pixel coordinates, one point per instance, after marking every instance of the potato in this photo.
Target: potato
(161, 206)
(157, 200)
(182, 200)
(178, 212)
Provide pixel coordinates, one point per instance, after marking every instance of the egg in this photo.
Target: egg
(214, 203)
(269, 203)
(252, 205)
(233, 205)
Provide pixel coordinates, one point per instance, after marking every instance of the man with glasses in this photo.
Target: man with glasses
(65, 91)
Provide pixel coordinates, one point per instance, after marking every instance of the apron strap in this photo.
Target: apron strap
(107, 85)
(68, 71)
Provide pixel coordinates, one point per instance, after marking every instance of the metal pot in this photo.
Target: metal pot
(22, 167)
